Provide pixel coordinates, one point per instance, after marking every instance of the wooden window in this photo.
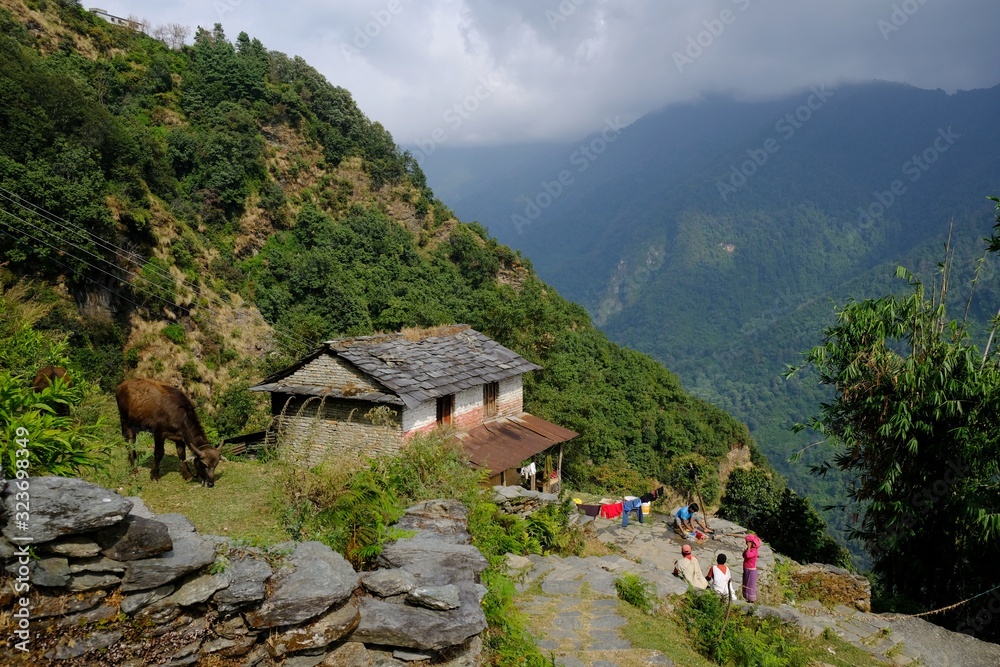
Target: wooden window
(490, 391)
(445, 408)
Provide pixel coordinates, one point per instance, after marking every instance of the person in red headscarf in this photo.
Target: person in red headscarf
(750, 568)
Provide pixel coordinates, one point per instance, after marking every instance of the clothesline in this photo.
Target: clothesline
(614, 510)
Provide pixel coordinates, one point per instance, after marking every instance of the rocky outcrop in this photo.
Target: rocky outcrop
(520, 501)
(834, 585)
(126, 586)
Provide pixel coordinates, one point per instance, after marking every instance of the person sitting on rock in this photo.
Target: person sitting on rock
(686, 518)
(687, 568)
(720, 578)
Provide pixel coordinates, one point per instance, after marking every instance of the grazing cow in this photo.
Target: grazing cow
(47, 376)
(164, 411)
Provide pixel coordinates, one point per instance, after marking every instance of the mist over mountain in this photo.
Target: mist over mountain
(717, 236)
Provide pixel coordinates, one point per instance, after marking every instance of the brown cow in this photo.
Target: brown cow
(164, 411)
(47, 376)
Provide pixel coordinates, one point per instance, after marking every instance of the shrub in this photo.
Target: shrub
(174, 333)
(636, 591)
(55, 445)
(742, 640)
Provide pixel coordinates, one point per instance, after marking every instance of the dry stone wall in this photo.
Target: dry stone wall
(108, 582)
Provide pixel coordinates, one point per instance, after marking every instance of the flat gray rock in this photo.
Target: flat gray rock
(53, 572)
(89, 581)
(440, 598)
(247, 577)
(446, 520)
(314, 579)
(434, 562)
(387, 583)
(415, 627)
(190, 552)
(199, 589)
(134, 538)
(133, 603)
(327, 629)
(348, 654)
(96, 564)
(62, 506)
(74, 546)
(62, 605)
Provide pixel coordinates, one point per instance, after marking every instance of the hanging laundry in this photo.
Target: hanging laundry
(612, 511)
(647, 497)
(528, 470)
(590, 510)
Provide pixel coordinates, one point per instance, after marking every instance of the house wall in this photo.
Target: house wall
(421, 418)
(510, 400)
(331, 372)
(313, 430)
(468, 410)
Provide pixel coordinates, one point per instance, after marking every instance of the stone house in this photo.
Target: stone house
(367, 395)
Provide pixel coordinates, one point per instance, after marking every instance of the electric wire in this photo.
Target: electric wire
(129, 256)
(121, 252)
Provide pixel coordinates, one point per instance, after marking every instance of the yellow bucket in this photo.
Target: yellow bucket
(646, 507)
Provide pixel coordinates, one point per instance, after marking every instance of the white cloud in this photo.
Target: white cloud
(561, 66)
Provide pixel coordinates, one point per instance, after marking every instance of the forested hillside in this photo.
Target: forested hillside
(716, 236)
(206, 214)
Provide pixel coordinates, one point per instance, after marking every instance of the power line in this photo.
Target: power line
(120, 252)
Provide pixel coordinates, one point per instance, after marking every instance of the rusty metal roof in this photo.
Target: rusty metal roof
(503, 443)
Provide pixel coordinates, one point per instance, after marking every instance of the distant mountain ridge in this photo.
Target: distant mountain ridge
(713, 235)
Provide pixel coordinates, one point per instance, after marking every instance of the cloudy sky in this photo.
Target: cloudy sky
(501, 71)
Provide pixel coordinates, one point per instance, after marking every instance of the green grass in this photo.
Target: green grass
(660, 632)
(243, 503)
(663, 632)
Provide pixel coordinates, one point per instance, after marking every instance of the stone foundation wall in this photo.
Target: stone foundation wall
(108, 582)
(316, 429)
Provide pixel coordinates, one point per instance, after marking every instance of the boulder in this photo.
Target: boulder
(433, 562)
(247, 576)
(387, 583)
(62, 506)
(325, 630)
(419, 628)
(134, 538)
(315, 579)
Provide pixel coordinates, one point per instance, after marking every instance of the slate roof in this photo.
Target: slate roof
(413, 369)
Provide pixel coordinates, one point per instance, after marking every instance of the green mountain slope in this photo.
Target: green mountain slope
(716, 236)
(204, 215)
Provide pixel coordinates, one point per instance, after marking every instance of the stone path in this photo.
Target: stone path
(576, 619)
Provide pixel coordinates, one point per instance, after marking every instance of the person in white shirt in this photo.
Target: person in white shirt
(720, 577)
